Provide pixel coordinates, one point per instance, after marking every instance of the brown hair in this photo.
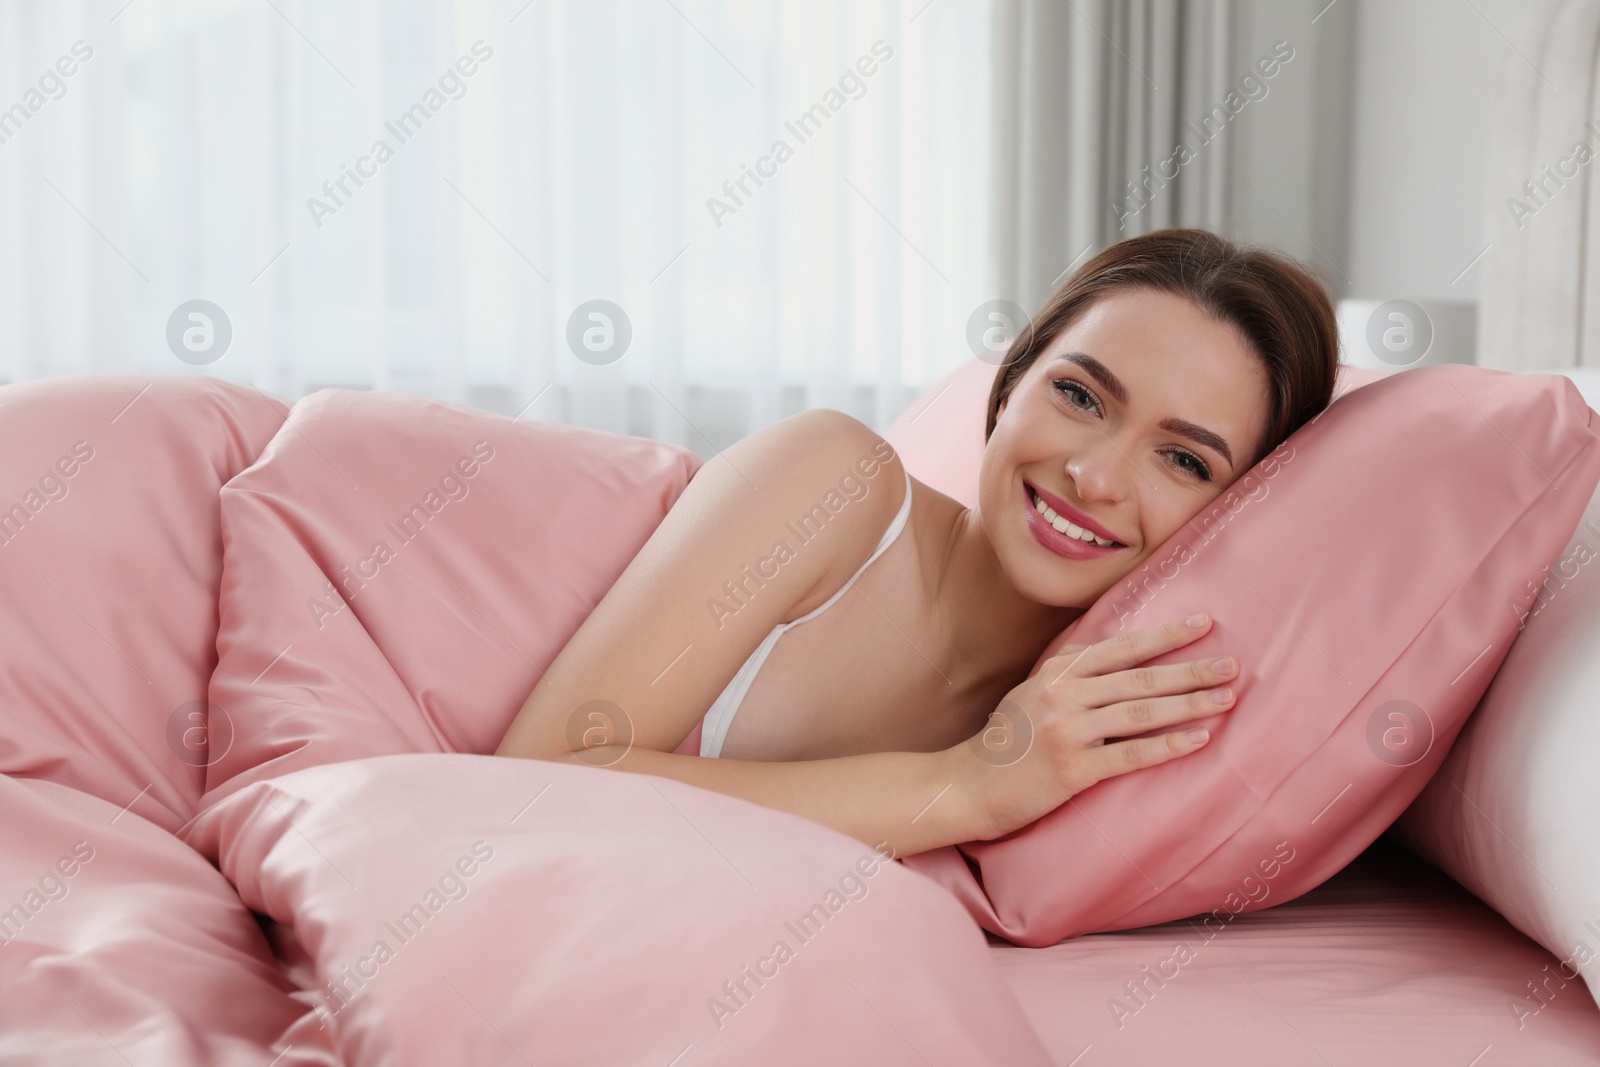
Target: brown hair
(1277, 303)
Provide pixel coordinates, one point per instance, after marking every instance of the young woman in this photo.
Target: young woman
(1160, 372)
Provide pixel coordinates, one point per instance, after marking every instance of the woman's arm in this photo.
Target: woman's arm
(898, 802)
(658, 649)
(705, 590)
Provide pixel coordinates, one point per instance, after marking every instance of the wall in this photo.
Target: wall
(1423, 75)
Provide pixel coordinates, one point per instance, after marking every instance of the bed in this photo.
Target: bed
(1388, 962)
(249, 818)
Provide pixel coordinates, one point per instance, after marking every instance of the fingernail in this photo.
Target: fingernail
(1197, 621)
(1223, 665)
(1223, 695)
(1199, 736)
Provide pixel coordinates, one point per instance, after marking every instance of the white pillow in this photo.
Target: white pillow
(1513, 814)
(1587, 380)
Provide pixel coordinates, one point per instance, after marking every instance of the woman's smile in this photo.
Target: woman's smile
(1063, 529)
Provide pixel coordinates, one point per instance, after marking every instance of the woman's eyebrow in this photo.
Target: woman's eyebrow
(1119, 392)
(1199, 435)
(1100, 373)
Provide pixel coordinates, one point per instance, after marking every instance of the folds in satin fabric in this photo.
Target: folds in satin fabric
(1370, 575)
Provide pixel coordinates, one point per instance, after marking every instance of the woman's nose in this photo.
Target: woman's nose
(1100, 471)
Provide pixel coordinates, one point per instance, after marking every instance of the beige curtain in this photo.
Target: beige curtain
(1540, 287)
(1087, 94)
(1117, 117)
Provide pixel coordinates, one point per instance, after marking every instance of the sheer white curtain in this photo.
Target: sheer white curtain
(418, 195)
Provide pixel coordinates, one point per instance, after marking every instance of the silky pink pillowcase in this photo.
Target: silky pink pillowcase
(1359, 573)
(112, 919)
(399, 573)
(467, 909)
(110, 564)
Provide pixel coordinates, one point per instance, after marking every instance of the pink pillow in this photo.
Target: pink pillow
(940, 436)
(110, 558)
(463, 909)
(120, 945)
(469, 548)
(1359, 573)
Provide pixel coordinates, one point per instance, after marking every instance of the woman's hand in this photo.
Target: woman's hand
(1052, 736)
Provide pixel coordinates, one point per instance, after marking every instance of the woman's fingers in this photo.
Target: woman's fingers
(1131, 717)
(1102, 761)
(1128, 650)
(1155, 681)
(1108, 761)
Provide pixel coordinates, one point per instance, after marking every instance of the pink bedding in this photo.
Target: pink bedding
(119, 944)
(424, 906)
(481, 910)
(399, 573)
(1388, 962)
(416, 902)
(110, 558)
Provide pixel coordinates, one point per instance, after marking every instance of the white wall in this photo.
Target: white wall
(1423, 75)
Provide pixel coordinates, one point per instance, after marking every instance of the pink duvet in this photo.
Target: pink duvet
(322, 870)
(244, 817)
(119, 944)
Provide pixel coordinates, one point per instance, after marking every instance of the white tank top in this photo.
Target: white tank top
(714, 727)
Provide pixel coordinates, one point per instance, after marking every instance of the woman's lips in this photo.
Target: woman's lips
(1070, 513)
(1055, 540)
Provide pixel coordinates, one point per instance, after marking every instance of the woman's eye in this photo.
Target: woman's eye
(1192, 464)
(1073, 391)
(1083, 400)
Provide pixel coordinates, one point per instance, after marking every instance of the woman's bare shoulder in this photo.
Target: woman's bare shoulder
(840, 455)
(823, 433)
(764, 529)
(853, 482)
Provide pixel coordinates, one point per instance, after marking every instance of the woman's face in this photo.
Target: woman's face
(1134, 418)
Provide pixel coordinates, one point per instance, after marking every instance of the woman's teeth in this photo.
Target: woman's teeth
(1063, 526)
